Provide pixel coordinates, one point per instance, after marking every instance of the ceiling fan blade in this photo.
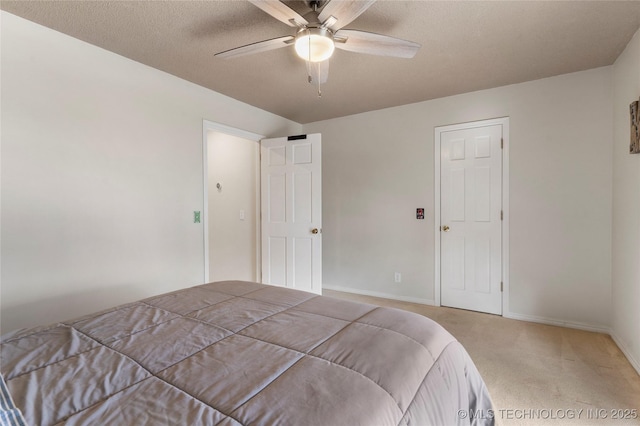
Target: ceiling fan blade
(375, 44)
(260, 46)
(281, 12)
(318, 72)
(342, 12)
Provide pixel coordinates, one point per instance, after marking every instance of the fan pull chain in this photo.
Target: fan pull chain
(308, 61)
(319, 91)
(310, 64)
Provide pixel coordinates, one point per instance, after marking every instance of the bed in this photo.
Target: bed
(243, 353)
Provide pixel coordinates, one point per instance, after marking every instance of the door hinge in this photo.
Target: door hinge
(501, 214)
(501, 143)
(501, 286)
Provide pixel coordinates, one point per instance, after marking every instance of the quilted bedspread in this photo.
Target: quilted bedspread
(242, 353)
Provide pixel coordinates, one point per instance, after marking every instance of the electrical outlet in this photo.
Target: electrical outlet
(398, 277)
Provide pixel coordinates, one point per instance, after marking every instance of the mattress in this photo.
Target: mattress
(243, 353)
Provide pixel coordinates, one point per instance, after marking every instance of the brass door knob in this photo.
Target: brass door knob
(315, 231)
(445, 228)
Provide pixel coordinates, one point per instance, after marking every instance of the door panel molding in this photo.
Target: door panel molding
(504, 122)
(291, 169)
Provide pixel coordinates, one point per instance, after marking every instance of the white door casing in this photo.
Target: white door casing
(291, 199)
(470, 226)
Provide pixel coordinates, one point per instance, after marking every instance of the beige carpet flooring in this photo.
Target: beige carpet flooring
(539, 374)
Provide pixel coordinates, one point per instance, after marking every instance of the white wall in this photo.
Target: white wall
(102, 169)
(626, 207)
(101, 172)
(233, 163)
(378, 168)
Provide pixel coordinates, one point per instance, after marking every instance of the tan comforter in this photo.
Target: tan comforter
(233, 353)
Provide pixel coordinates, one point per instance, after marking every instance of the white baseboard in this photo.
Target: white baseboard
(623, 347)
(559, 323)
(380, 294)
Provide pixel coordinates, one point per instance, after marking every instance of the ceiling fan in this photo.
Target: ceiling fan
(320, 31)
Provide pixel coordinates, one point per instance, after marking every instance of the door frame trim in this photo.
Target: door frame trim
(232, 131)
(504, 122)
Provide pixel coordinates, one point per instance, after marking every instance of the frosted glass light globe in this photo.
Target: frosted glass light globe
(314, 44)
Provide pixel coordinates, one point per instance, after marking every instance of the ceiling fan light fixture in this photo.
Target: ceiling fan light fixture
(314, 44)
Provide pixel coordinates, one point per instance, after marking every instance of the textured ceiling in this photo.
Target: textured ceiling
(466, 46)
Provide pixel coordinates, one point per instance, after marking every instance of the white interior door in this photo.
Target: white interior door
(291, 197)
(471, 218)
